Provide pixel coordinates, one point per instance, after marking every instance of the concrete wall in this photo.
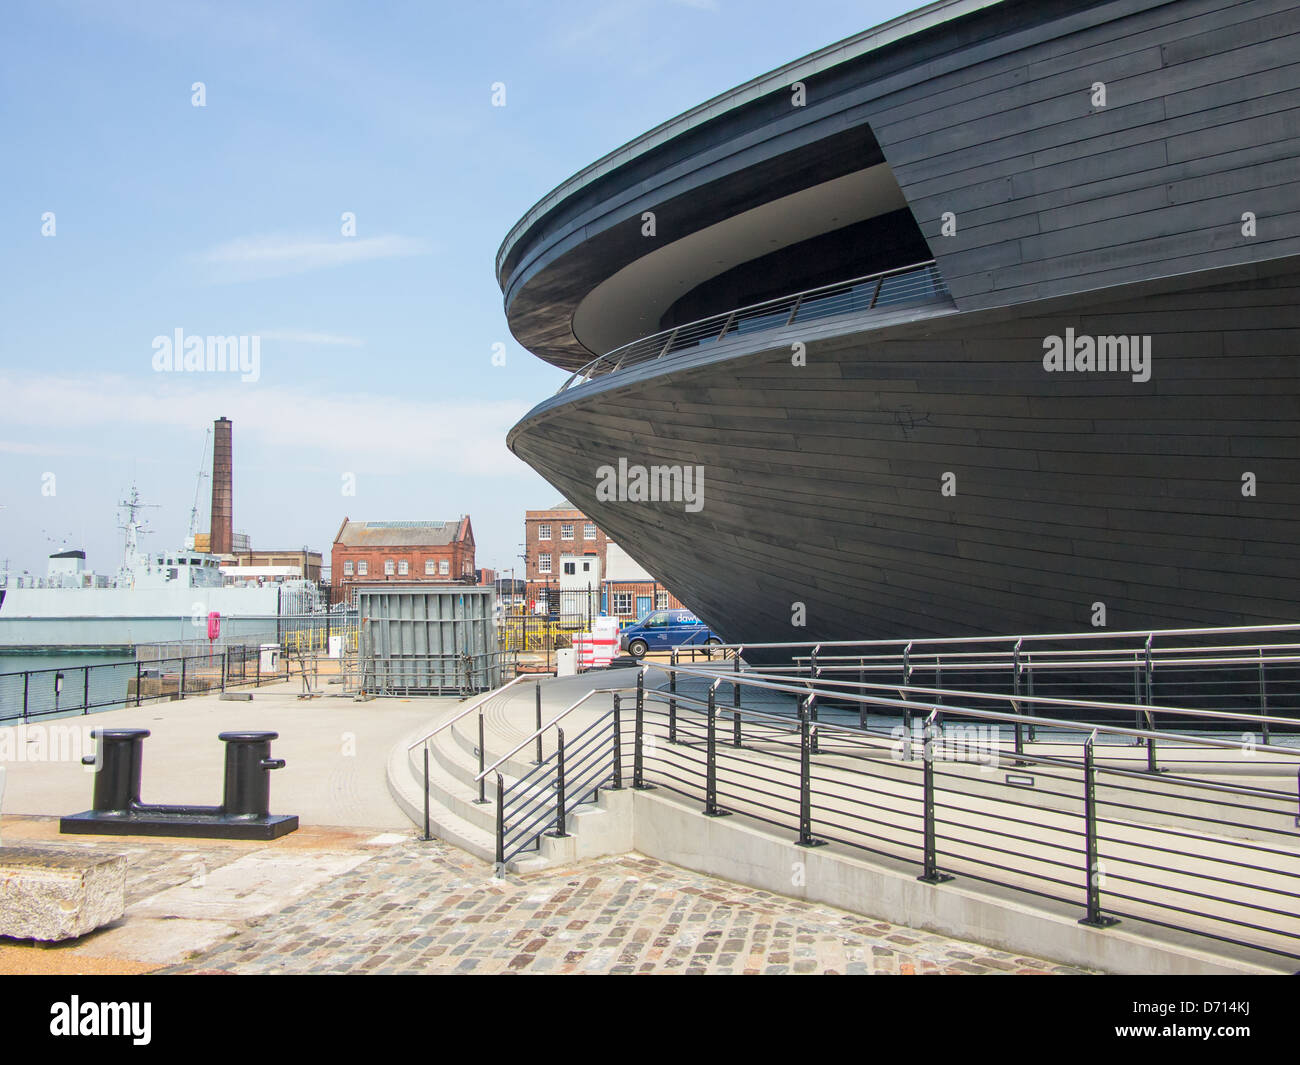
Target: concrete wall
(672, 830)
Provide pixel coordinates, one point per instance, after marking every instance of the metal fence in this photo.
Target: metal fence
(294, 633)
(1058, 798)
(917, 283)
(35, 693)
(1216, 676)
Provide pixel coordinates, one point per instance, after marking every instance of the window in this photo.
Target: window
(403, 567)
(363, 567)
(570, 568)
(543, 532)
(444, 567)
(589, 531)
(544, 563)
(347, 569)
(622, 603)
(566, 530)
(661, 600)
(430, 567)
(388, 567)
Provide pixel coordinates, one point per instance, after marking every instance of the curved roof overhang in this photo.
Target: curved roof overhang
(736, 153)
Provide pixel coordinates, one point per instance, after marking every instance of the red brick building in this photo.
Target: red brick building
(564, 533)
(373, 552)
(552, 535)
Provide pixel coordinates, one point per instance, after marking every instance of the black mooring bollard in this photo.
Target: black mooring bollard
(248, 773)
(244, 812)
(120, 758)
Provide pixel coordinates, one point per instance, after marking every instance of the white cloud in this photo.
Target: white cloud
(254, 258)
(289, 426)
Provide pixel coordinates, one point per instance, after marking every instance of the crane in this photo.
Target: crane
(198, 486)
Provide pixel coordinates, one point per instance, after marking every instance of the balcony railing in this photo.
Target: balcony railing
(918, 283)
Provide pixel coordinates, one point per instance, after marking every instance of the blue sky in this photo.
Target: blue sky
(376, 350)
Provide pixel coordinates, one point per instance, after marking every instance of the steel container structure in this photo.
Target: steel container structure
(423, 639)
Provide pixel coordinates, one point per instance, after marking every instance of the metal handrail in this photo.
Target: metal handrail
(1099, 634)
(803, 688)
(999, 716)
(846, 664)
(721, 323)
(474, 705)
(550, 725)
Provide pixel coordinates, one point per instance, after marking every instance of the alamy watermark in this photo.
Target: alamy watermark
(1099, 354)
(50, 743)
(212, 354)
(652, 484)
(958, 742)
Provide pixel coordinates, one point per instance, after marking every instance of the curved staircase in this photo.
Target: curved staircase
(456, 815)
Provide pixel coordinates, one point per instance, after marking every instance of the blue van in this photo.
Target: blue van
(665, 629)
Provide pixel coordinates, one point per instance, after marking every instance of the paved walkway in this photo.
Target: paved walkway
(346, 901)
(336, 750)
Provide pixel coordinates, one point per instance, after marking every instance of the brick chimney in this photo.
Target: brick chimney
(222, 526)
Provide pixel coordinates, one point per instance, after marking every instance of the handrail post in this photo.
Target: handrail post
(1263, 694)
(27, 676)
(225, 663)
(638, 756)
(1151, 740)
(559, 832)
(806, 735)
(501, 827)
(862, 691)
(1095, 918)
(538, 726)
(907, 683)
(711, 808)
(482, 780)
(1015, 673)
(812, 714)
(667, 345)
(672, 699)
(85, 689)
(425, 838)
(1029, 697)
(931, 873)
(735, 704)
(617, 785)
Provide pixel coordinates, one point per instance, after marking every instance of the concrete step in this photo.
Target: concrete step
(475, 833)
(594, 829)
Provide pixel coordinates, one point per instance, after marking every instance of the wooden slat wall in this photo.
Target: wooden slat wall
(822, 482)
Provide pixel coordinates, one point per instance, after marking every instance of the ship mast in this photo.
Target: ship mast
(133, 528)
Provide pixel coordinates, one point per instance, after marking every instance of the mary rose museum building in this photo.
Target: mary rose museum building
(978, 322)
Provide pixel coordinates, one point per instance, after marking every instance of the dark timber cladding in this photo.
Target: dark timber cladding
(1125, 169)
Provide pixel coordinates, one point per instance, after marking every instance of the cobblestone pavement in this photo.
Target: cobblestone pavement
(427, 907)
(412, 907)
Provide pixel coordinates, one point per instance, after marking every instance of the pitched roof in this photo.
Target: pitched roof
(401, 533)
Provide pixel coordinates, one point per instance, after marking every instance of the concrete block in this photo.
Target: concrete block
(237, 697)
(52, 894)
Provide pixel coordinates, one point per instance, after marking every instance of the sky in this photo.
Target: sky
(130, 213)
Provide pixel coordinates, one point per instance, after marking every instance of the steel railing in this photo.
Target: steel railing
(1206, 854)
(918, 282)
(943, 778)
(1251, 670)
(68, 689)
